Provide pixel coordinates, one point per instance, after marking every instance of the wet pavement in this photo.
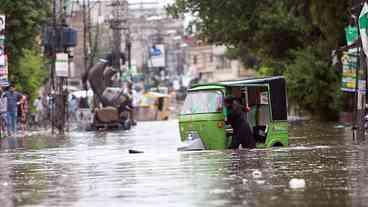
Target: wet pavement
(95, 169)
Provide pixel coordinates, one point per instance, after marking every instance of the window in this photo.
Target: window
(222, 63)
(203, 102)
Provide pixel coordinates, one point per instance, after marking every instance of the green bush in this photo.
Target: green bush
(313, 84)
(30, 74)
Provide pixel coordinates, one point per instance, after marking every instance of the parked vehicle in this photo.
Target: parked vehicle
(202, 121)
(154, 106)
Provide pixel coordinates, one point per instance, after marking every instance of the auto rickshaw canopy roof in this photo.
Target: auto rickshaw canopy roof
(277, 86)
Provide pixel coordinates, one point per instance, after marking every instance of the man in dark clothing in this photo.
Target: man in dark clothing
(242, 133)
(13, 97)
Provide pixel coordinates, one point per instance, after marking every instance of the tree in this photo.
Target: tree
(267, 29)
(313, 84)
(32, 72)
(278, 34)
(24, 21)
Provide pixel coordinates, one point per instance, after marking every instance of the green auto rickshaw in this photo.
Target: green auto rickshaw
(202, 120)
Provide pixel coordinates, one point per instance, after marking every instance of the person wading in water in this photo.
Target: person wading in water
(242, 133)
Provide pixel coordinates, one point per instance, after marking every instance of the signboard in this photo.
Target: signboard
(157, 56)
(264, 98)
(361, 86)
(2, 24)
(3, 57)
(350, 64)
(363, 27)
(2, 40)
(4, 66)
(61, 65)
(4, 75)
(350, 61)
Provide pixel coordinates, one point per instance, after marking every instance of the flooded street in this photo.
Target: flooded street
(96, 169)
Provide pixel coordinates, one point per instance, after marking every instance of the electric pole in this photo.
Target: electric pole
(60, 96)
(117, 24)
(361, 78)
(58, 38)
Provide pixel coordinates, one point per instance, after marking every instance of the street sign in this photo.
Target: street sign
(61, 65)
(157, 54)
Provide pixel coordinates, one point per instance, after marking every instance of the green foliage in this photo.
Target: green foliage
(32, 73)
(24, 21)
(244, 55)
(265, 29)
(313, 83)
(272, 31)
(266, 71)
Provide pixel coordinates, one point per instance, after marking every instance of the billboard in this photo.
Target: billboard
(350, 61)
(2, 24)
(157, 56)
(3, 57)
(61, 65)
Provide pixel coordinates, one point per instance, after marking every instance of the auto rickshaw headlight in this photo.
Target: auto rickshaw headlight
(220, 124)
(193, 136)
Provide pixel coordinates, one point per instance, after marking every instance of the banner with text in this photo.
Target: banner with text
(3, 57)
(350, 61)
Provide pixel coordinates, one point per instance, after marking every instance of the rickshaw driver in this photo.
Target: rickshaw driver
(236, 117)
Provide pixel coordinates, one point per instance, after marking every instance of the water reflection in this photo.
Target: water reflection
(95, 169)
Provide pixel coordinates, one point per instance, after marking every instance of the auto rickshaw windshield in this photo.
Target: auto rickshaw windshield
(199, 102)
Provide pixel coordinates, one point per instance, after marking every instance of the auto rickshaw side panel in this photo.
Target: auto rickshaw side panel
(278, 134)
(209, 126)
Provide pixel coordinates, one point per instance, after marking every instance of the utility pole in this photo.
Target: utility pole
(139, 24)
(60, 96)
(117, 24)
(90, 44)
(58, 38)
(361, 80)
(85, 49)
(52, 73)
(129, 50)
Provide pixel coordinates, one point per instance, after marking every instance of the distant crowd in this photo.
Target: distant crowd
(15, 115)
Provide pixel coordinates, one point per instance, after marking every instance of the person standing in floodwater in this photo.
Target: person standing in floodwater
(23, 110)
(242, 134)
(73, 107)
(3, 112)
(13, 98)
(37, 104)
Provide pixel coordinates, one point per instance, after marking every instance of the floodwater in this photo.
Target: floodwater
(320, 168)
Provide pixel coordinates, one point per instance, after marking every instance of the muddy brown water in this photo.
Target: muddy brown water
(95, 169)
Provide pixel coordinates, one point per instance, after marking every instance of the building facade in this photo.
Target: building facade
(210, 61)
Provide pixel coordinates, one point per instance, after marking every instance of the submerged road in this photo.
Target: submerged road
(320, 168)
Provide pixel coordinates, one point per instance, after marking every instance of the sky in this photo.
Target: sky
(162, 3)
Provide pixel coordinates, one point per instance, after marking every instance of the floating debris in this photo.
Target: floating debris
(135, 152)
(297, 183)
(339, 126)
(257, 174)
